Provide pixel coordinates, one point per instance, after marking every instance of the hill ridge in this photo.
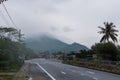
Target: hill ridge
(46, 43)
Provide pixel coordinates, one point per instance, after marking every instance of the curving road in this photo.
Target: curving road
(57, 71)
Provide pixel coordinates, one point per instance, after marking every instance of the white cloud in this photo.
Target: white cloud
(68, 20)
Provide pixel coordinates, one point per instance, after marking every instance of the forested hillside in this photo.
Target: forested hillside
(46, 43)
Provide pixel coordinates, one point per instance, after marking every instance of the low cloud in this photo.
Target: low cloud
(68, 20)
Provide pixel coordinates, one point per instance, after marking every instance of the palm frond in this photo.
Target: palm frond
(101, 28)
(115, 34)
(101, 32)
(114, 30)
(113, 38)
(103, 39)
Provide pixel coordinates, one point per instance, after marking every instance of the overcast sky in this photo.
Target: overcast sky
(67, 20)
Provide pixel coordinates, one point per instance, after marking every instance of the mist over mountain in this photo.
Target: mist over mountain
(47, 43)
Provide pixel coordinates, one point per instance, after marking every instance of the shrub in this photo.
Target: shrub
(106, 51)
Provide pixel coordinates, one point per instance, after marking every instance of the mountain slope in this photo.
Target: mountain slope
(74, 47)
(46, 43)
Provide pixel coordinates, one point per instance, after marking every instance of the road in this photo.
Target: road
(59, 71)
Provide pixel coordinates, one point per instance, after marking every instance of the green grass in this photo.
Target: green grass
(6, 77)
(9, 70)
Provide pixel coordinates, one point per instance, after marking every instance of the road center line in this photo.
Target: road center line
(30, 78)
(63, 72)
(90, 72)
(82, 74)
(46, 72)
(95, 78)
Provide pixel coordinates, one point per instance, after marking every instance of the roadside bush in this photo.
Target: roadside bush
(106, 51)
(118, 53)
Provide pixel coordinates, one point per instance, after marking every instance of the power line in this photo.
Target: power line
(9, 15)
(4, 18)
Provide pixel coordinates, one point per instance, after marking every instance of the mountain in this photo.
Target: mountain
(74, 47)
(46, 43)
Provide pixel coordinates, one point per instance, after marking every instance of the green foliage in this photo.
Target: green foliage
(108, 32)
(106, 51)
(86, 53)
(118, 55)
(12, 50)
(72, 52)
(6, 77)
(8, 53)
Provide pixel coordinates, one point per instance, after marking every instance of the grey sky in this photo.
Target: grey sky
(67, 20)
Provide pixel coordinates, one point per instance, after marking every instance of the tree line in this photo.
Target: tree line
(107, 49)
(13, 50)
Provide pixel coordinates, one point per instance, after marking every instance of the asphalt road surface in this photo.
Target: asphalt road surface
(54, 70)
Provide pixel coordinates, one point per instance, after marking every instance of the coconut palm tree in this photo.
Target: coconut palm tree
(108, 32)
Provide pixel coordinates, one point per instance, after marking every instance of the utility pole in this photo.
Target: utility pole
(1, 1)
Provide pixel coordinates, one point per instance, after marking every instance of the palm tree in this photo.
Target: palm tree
(108, 32)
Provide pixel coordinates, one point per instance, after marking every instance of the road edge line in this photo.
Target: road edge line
(45, 71)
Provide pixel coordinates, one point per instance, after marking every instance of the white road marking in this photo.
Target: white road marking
(90, 72)
(73, 71)
(30, 78)
(46, 72)
(82, 74)
(63, 72)
(95, 78)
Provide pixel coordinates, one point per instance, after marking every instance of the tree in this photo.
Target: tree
(118, 56)
(8, 32)
(86, 53)
(20, 36)
(1, 1)
(106, 51)
(12, 51)
(108, 32)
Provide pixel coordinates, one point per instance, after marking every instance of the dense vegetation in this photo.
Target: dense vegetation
(105, 50)
(12, 49)
(104, 55)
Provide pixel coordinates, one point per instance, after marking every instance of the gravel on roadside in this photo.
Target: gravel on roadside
(24, 74)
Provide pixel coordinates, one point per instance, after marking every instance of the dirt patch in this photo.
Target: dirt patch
(39, 78)
(7, 75)
(23, 73)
